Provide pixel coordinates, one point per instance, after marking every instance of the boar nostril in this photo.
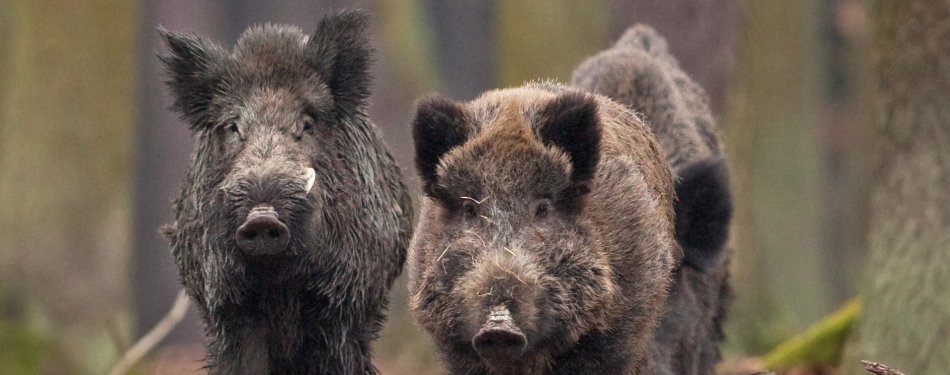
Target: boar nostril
(499, 338)
(262, 233)
(499, 343)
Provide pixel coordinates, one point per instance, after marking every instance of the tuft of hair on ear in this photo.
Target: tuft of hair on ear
(167, 232)
(703, 211)
(440, 125)
(645, 38)
(339, 51)
(194, 77)
(571, 123)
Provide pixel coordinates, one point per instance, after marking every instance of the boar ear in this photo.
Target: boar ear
(193, 75)
(571, 123)
(340, 53)
(703, 211)
(440, 125)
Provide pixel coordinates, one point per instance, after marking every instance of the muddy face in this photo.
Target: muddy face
(266, 126)
(293, 221)
(269, 194)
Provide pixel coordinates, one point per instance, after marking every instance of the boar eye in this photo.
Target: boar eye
(233, 132)
(541, 209)
(468, 207)
(307, 128)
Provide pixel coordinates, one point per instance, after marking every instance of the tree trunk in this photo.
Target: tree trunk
(772, 144)
(67, 111)
(849, 153)
(906, 319)
(408, 60)
(464, 38)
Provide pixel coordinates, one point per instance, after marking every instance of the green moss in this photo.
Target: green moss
(820, 345)
(24, 347)
(24, 350)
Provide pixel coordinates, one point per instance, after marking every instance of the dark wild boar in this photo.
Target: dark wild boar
(292, 222)
(545, 241)
(640, 73)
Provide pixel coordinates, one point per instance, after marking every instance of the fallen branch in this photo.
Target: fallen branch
(880, 369)
(153, 337)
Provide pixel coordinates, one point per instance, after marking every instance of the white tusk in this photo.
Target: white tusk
(311, 176)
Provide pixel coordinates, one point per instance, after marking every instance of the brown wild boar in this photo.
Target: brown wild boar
(546, 236)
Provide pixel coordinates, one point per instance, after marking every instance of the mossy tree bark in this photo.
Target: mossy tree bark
(905, 321)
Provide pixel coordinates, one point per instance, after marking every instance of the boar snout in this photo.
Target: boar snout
(262, 233)
(499, 338)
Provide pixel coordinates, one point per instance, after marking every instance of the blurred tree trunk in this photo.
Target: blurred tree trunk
(906, 319)
(406, 70)
(464, 38)
(772, 143)
(67, 109)
(849, 150)
(408, 62)
(546, 39)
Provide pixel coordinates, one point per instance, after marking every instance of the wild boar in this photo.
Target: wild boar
(546, 234)
(293, 221)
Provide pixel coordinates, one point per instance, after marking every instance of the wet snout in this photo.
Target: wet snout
(501, 295)
(499, 338)
(262, 232)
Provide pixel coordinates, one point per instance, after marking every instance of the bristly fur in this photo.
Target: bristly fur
(582, 278)
(639, 72)
(266, 115)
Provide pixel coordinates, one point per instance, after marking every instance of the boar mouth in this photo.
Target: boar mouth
(499, 339)
(262, 232)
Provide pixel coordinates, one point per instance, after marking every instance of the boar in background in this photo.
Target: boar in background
(639, 72)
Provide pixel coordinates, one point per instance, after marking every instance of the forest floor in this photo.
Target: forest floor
(187, 360)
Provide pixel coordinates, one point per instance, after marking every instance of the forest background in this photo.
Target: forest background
(832, 112)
